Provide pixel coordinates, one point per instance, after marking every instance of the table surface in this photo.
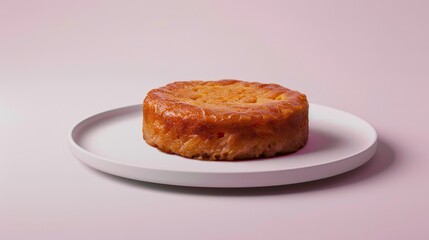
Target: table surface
(62, 61)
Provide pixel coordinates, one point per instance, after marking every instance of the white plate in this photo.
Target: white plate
(112, 142)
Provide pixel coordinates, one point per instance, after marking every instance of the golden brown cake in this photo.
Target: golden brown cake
(225, 119)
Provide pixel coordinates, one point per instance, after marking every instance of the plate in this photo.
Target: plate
(112, 142)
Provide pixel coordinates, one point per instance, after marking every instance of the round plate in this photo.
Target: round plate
(112, 142)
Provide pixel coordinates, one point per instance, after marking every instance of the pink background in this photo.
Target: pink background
(61, 61)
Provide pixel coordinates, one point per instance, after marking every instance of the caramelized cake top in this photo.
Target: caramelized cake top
(228, 97)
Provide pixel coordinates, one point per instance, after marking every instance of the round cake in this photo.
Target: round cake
(225, 119)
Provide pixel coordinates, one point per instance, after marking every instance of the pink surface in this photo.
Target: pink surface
(61, 61)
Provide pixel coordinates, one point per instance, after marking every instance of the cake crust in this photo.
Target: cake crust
(225, 119)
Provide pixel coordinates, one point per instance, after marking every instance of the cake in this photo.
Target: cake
(225, 119)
